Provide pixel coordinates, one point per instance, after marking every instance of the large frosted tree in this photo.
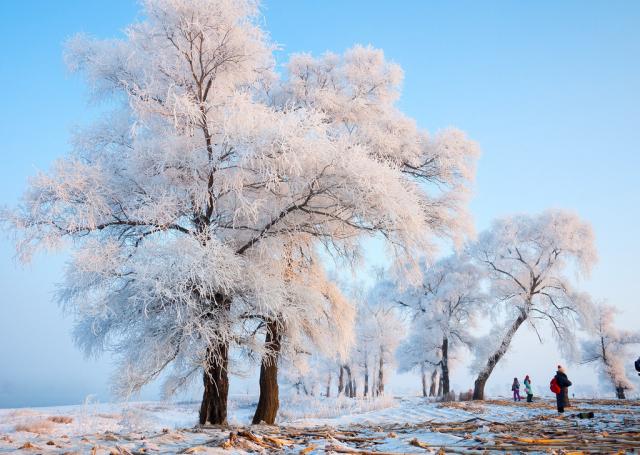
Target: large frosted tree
(206, 167)
(608, 347)
(528, 259)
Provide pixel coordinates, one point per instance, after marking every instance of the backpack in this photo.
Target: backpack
(555, 388)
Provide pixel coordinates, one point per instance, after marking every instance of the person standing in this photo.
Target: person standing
(515, 387)
(562, 380)
(528, 389)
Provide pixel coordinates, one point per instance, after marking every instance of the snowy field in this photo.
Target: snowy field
(388, 425)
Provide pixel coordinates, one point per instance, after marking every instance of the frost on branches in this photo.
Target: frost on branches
(445, 309)
(609, 347)
(528, 259)
(379, 332)
(362, 371)
(184, 201)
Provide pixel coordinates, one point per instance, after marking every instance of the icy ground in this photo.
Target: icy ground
(313, 426)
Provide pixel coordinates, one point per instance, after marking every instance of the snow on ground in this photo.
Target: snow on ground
(397, 425)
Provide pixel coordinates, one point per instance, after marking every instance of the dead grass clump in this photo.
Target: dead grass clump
(540, 404)
(469, 406)
(35, 426)
(60, 419)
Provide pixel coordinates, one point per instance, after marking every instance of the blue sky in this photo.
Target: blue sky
(550, 90)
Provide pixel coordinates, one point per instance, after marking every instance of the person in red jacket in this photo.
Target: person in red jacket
(563, 382)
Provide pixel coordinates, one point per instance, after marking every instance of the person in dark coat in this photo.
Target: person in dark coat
(564, 384)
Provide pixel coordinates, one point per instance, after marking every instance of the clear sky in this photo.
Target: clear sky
(550, 90)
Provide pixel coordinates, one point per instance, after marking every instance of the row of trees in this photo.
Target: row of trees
(197, 206)
(515, 274)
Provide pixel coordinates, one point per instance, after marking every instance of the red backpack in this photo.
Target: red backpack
(555, 388)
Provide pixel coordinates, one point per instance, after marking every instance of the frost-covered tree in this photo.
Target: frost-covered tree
(421, 351)
(313, 373)
(181, 200)
(444, 311)
(315, 323)
(379, 333)
(528, 259)
(609, 348)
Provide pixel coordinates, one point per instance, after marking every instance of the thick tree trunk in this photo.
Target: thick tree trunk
(424, 380)
(213, 409)
(269, 402)
(483, 376)
(620, 393)
(440, 386)
(354, 388)
(478, 387)
(432, 388)
(445, 366)
(341, 381)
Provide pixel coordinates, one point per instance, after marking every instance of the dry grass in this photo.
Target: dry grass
(35, 426)
(60, 419)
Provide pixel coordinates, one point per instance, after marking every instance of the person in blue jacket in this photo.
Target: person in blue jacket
(528, 389)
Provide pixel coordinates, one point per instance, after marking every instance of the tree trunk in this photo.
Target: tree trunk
(432, 387)
(348, 391)
(424, 380)
(381, 375)
(366, 378)
(213, 409)
(268, 403)
(354, 388)
(620, 393)
(483, 376)
(329, 385)
(445, 366)
(440, 386)
(341, 381)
